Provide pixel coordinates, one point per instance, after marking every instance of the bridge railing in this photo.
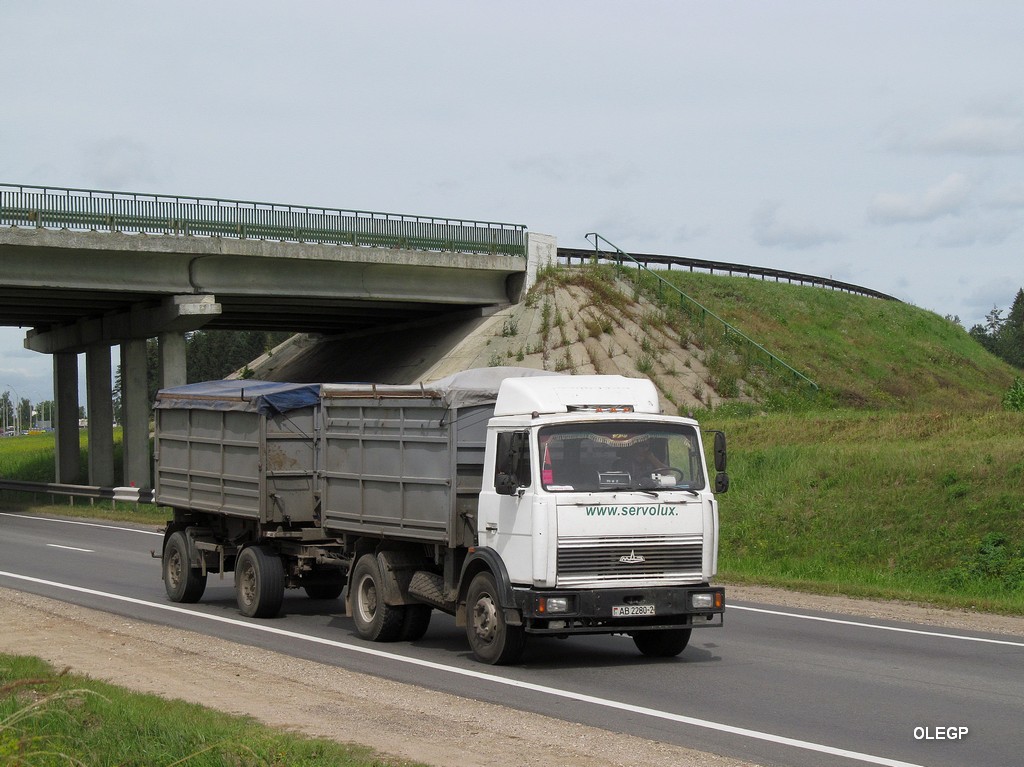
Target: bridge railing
(94, 210)
(699, 311)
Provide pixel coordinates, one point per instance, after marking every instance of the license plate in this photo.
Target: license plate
(631, 611)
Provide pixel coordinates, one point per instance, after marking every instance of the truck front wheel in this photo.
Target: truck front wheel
(662, 643)
(182, 582)
(490, 637)
(259, 582)
(375, 620)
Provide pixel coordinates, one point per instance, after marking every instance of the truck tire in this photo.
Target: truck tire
(492, 640)
(182, 582)
(662, 643)
(259, 582)
(416, 622)
(374, 620)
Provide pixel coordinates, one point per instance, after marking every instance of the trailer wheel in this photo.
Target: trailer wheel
(375, 620)
(325, 590)
(259, 582)
(662, 643)
(492, 640)
(182, 582)
(416, 622)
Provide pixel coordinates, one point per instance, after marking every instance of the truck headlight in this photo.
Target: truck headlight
(704, 601)
(554, 605)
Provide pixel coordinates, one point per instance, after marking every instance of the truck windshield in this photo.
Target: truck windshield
(620, 456)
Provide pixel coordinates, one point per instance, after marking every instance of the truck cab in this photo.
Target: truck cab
(601, 511)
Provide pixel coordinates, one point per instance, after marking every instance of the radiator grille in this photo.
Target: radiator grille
(659, 558)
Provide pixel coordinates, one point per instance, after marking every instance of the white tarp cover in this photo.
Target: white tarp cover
(469, 387)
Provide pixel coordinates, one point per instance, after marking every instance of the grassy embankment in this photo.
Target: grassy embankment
(903, 478)
(49, 718)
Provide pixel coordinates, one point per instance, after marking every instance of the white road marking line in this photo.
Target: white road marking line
(484, 676)
(69, 548)
(85, 524)
(844, 622)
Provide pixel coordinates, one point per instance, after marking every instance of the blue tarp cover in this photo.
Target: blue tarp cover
(265, 397)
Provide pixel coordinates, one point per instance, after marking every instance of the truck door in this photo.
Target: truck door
(505, 513)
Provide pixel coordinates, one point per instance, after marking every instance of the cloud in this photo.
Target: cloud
(981, 135)
(986, 231)
(946, 198)
(978, 136)
(771, 232)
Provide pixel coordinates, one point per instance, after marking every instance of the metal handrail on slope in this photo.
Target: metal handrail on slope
(96, 210)
(703, 310)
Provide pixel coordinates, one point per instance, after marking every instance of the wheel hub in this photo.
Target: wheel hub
(485, 620)
(367, 599)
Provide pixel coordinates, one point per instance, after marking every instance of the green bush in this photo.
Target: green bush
(1014, 398)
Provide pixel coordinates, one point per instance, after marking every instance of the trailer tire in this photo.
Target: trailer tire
(375, 620)
(182, 582)
(259, 582)
(416, 622)
(330, 590)
(491, 638)
(662, 643)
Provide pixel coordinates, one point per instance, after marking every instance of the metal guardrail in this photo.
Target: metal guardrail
(95, 210)
(696, 308)
(732, 269)
(124, 494)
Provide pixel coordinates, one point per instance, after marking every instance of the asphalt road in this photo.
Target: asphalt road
(774, 686)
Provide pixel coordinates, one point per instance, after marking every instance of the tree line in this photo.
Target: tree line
(1004, 336)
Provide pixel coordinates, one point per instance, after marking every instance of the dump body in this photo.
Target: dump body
(221, 447)
(405, 466)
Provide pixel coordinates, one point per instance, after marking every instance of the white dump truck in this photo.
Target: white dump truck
(521, 502)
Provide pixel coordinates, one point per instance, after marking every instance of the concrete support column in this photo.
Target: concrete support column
(172, 360)
(67, 452)
(135, 414)
(101, 416)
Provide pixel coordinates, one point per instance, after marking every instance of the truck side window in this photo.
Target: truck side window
(513, 457)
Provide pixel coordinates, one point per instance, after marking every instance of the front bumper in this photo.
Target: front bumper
(591, 610)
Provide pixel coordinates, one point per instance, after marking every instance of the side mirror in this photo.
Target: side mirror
(505, 484)
(721, 483)
(721, 457)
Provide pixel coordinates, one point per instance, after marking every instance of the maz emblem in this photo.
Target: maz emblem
(632, 558)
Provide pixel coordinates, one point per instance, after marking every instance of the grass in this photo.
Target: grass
(51, 718)
(899, 505)
(863, 352)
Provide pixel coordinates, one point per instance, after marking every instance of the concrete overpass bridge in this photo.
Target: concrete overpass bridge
(87, 270)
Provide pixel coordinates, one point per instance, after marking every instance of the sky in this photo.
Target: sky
(877, 143)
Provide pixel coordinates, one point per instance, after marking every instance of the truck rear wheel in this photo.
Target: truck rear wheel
(259, 582)
(490, 637)
(662, 643)
(374, 620)
(182, 582)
